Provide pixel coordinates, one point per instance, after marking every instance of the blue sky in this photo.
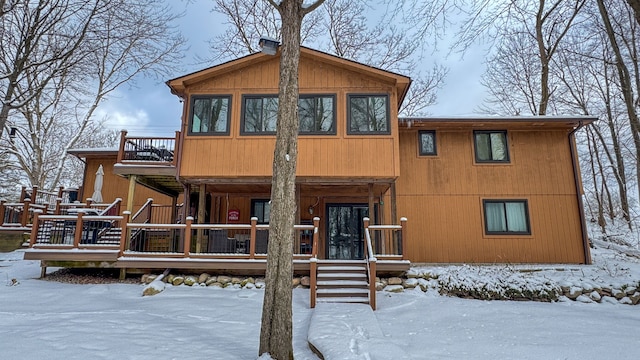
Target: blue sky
(149, 109)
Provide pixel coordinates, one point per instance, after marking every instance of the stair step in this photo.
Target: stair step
(355, 291)
(343, 282)
(350, 276)
(342, 268)
(360, 300)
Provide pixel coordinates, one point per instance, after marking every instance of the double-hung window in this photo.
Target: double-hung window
(491, 146)
(368, 114)
(210, 114)
(259, 114)
(317, 114)
(427, 143)
(506, 217)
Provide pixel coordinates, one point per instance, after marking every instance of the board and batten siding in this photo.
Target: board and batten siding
(332, 156)
(442, 196)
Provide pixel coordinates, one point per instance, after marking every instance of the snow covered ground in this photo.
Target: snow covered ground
(50, 320)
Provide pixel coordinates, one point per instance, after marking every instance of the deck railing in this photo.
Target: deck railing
(313, 265)
(148, 150)
(387, 240)
(75, 231)
(244, 241)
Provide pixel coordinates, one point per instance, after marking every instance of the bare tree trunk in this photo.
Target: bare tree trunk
(276, 334)
(625, 85)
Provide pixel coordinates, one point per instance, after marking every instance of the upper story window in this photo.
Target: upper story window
(506, 217)
(259, 114)
(491, 146)
(210, 114)
(427, 144)
(368, 114)
(317, 114)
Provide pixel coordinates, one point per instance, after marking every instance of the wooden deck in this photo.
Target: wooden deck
(223, 264)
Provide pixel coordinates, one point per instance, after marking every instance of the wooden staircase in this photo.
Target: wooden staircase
(110, 236)
(342, 281)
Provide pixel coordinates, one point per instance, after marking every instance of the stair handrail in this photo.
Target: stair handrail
(371, 262)
(313, 264)
(145, 208)
(113, 208)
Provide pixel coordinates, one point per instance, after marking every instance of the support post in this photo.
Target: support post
(58, 206)
(403, 223)
(2, 211)
(132, 192)
(371, 205)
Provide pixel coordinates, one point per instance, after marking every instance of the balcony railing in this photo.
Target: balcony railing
(148, 150)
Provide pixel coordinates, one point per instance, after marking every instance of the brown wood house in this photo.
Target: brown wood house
(474, 189)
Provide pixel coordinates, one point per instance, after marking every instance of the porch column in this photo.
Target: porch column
(132, 192)
(202, 203)
(371, 205)
(394, 208)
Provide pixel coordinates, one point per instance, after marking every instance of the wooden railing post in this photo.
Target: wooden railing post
(403, 233)
(78, 234)
(25, 212)
(23, 194)
(89, 202)
(187, 236)
(2, 211)
(252, 238)
(176, 149)
(313, 263)
(123, 138)
(58, 206)
(60, 191)
(366, 222)
(124, 233)
(34, 194)
(34, 228)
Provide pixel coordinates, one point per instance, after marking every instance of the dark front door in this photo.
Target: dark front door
(345, 231)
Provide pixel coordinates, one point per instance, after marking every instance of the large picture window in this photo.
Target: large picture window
(427, 139)
(368, 114)
(317, 114)
(261, 209)
(491, 146)
(210, 115)
(259, 114)
(506, 217)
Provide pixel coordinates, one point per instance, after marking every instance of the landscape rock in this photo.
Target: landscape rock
(210, 281)
(190, 280)
(178, 280)
(410, 283)
(295, 281)
(202, 279)
(222, 279)
(305, 281)
(394, 281)
(626, 300)
(595, 296)
(573, 293)
(394, 288)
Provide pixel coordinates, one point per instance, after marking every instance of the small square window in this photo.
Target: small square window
(210, 115)
(368, 114)
(506, 217)
(427, 144)
(491, 146)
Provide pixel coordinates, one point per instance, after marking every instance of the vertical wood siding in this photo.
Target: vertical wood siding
(338, 156)
(442, 197)
(116, 186)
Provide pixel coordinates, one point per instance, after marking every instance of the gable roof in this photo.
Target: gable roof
(179, 84)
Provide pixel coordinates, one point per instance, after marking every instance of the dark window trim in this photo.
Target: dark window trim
(505, 201)
(333, 126)
(192, 101)
(506, 139)
(435, 145)
(388, 110)
(244, 100)
(264, 202)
